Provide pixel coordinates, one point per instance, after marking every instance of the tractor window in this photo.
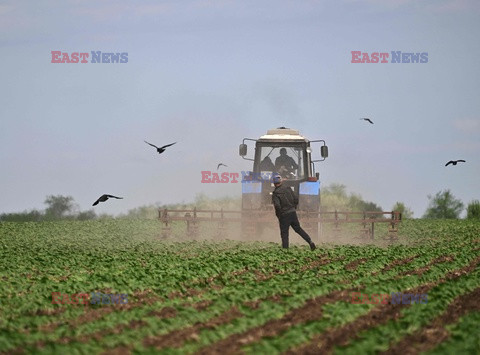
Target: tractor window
(287, 161)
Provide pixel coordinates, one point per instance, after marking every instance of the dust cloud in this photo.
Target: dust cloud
(327, 234)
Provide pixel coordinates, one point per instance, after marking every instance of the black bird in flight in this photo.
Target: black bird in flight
(367, 119)
(454, 162)
(161, 149)
(219, 165)
(104, 198)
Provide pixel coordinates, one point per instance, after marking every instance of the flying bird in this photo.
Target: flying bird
(367, 119)
(219, 165)
(104, 198)
(161, 149)
(454, 162)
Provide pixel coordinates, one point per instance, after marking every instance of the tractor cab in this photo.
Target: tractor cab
(286, 152)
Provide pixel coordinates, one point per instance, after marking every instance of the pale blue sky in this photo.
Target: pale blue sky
(208, 73)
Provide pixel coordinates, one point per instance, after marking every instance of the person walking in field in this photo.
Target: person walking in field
(285, 202)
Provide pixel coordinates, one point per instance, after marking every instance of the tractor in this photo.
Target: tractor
(285, 152)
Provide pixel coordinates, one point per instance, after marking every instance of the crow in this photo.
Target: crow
(454, 162)
(367, 119)
(104, 198)
(161, 149)
(219, 165)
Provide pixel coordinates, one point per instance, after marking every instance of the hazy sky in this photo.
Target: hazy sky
(208, 73)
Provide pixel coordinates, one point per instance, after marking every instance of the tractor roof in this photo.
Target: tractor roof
(282, 133)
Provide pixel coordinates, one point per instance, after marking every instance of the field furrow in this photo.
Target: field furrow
(381, 314)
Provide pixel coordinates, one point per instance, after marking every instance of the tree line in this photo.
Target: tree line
(442, 205)
(58, 208)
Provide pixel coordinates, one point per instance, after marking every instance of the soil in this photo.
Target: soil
(324, 343)
(353, 265)
(177, 338)
(311, 310)
(166, 312)
(399, 262)
(435, 333)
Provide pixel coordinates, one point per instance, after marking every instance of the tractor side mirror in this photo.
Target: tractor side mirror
(242, 150)
(324, 151)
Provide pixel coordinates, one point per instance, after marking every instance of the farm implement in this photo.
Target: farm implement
(319, 224)
(285, 152)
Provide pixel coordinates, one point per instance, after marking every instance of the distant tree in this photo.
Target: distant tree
(201, 200)
(227, 203)
(371, 206)
(86, 215)
(356, 203)
(338, 190)
(142, 212)
(59, 206)
(473, 210)
(443, 205)
(405, 211)
(334, 197)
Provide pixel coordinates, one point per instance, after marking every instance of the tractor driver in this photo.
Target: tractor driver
(267, 164)
(285, 164)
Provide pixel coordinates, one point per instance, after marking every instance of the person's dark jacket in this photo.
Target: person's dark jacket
(284, 200)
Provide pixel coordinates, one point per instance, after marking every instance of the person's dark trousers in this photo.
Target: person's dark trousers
(291, 219)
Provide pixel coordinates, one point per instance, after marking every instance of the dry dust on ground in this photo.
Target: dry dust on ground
(270, 233)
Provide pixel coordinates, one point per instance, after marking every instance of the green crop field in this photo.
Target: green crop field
(231, 296)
